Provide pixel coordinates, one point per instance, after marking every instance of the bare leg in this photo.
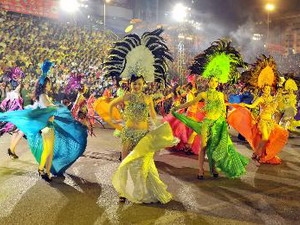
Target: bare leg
(201, 158)
(16, 137)
(47, 154)
(127, 147)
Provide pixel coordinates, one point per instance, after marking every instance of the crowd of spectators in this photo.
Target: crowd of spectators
(26, 41)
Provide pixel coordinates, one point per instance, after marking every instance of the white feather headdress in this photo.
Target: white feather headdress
(146, 56)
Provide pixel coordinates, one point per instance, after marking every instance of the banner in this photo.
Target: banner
(41, 8)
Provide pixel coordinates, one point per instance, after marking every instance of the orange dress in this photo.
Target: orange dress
(243, 121)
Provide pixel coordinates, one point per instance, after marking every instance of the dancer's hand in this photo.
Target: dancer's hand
(116, 121)
(174, 109)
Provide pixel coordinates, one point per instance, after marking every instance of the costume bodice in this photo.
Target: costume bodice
(213, 103)
(136, 109)
(268, 107)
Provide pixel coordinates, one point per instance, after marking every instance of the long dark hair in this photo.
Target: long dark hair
(41, 88)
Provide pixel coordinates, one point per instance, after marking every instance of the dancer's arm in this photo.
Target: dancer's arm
(187, 104)
(114, 103)
(152, 111)
(254, 104)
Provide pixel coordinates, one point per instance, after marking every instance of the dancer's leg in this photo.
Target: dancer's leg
(48, 144)
(16, 137)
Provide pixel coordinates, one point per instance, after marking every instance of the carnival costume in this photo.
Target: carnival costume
(70, 135)
(219, 62)
(190, 142)
(82, 109)
(13, 100)
(137, 178)
(289, 106)
(262, 129)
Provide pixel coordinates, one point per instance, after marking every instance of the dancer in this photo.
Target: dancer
(289, 107)
(190, 142)
(55, 139)
(41, 95)
(13, 101)
(137, 178)
(264, 135)
(217, 63)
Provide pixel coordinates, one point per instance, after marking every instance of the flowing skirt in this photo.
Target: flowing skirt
(137, 178)
(101, 107)
(70, 135)
(6, 106)
(242, 120)
(184, 133)
(220, 150)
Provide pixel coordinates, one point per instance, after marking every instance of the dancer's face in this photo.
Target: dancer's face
(213, 83)
(48, 86)
(267, 89)
(137, 86)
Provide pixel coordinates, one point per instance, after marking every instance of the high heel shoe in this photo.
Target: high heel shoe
(46, 177)
(122, 199)
(12, 154)
(215, 175)
(41, 172)
(200, 177)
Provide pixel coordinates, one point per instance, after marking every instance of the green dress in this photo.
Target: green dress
(220, 150)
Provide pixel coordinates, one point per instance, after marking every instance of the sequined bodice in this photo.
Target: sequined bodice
(213, 102)
(268, 104)
(136, 110)
(267, 107)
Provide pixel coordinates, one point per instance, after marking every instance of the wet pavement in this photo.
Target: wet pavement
(267, 194)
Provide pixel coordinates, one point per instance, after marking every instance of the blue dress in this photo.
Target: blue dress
(70, 135)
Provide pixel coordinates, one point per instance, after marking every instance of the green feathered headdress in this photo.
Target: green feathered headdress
(220, 61)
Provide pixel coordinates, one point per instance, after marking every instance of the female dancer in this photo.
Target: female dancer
(289, 106)
(189, 140)
(137, 178)
(264, 135)
(12, 102)
(55, 139)
(215, 140)
(41, 95)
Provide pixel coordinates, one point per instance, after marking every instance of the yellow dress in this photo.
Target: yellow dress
(137, 178)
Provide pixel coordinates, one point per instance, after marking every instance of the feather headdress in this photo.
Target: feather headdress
(74, 82)
(141, 56)
(220, 60)
(13, 76)
(290, 84)
(46, 66)
(263, 72)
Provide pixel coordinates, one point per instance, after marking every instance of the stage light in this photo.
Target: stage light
(69, 5)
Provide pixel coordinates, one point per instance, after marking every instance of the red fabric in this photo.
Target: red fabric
(182, 132)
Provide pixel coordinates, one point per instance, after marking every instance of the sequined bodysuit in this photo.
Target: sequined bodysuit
(136, 114)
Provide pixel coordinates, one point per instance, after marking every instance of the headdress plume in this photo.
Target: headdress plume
(220, 60)
(142, 56)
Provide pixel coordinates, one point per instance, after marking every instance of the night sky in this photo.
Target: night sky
(232, 13)
(236, 12)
